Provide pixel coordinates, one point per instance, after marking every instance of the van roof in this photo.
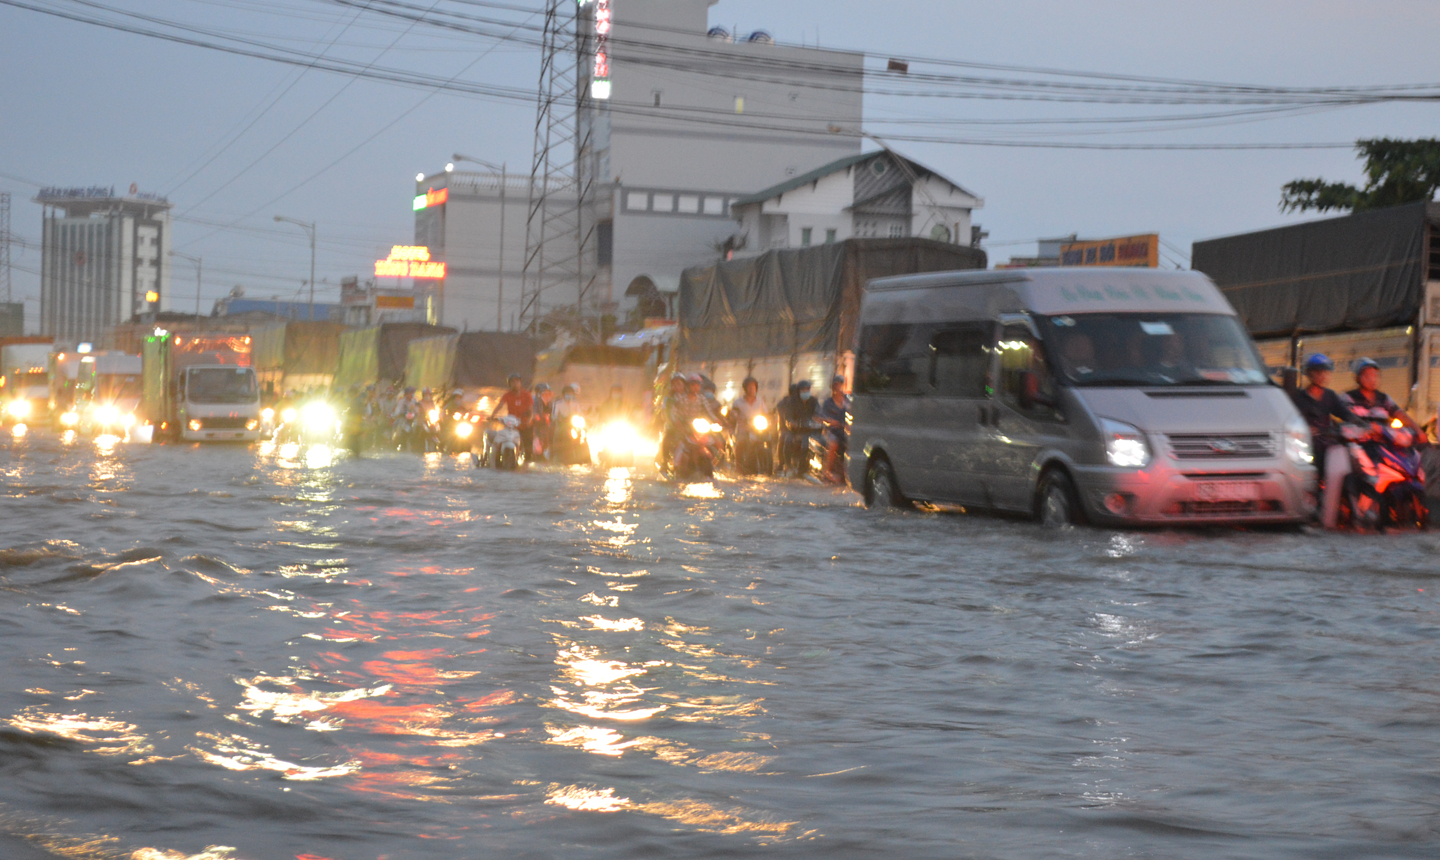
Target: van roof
(1053, 291)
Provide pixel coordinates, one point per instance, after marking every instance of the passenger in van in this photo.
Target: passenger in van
(1078, 355)
(1322, 408)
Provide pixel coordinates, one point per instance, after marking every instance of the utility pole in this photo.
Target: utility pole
(557, 229)
(5, 244)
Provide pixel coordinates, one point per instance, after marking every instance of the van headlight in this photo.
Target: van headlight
(1125, 445)
(1297, 442)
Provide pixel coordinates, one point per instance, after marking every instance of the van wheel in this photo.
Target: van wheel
(1059, 504)
(882, 491)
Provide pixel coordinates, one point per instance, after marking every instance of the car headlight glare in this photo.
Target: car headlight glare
(1125, 445)
(1297, 442)
(19, 409)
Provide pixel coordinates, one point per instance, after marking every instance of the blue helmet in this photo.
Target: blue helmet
(1318, 361)
(1363, 364)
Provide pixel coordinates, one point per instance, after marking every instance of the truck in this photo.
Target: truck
(200, 387)
(107, 394)
(25, 379)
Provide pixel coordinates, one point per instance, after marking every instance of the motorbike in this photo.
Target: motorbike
(1386, 484)
(502, 446)
(695, 457)
(798, 444)
(314, 423)
(754, 447)
(571, 445)
(819, 454)
(412, 432)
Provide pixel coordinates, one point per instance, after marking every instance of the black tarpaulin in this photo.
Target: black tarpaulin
(1360, 271)
(393, 345)
(796, 301)
(485, 359)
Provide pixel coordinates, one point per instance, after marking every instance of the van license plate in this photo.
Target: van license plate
(1227, 491)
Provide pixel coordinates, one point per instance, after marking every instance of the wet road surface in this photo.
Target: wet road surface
(254, 654)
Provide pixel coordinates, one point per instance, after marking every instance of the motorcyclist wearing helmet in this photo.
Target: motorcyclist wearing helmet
(614, 408)
(673, 410)
(544, 402)
(518, 401)
(797, 417)
(834, 416)
(1323, 409)
(1367, 401)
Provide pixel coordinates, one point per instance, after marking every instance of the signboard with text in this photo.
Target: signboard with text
(410, 261)
(1140, 251)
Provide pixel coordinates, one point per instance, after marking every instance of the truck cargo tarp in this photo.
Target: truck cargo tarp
(394, 345)
(431, 362)
(796, 301)
(485, 359)
(359, 358)
(268, 352)
(1361, 271)
(312, 347)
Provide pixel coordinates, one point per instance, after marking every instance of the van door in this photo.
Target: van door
(1018, 428)
(957, 389)
(889, 402)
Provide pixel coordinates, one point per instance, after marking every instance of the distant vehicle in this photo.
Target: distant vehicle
(108, 393)
(1123, 396)
(24, 381)
(201, 388)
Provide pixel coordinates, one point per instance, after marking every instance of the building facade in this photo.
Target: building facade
(875, 195)
(692, 118)
(104, 259)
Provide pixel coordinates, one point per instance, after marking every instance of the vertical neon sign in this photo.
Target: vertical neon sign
(600, 74)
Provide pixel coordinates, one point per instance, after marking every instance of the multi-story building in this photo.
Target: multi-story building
(690, 118)
(875, 195)
(104, 259)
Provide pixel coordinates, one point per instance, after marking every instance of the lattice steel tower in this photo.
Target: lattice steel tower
(559, 230)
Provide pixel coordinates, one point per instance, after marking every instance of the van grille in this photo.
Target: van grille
(1238, 446)
(1224, 509)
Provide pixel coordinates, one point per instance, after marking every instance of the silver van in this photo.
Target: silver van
(1118, 396)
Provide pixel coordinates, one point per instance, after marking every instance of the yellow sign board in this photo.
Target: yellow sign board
(1125, 251)
(409, 261)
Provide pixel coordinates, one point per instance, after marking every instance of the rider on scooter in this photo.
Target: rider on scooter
(834, 414)
(1322, 408)
(1366, 400)
(521, 404)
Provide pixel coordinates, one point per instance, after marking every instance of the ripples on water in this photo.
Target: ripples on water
(282, 653)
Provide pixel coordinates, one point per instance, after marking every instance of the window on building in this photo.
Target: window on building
(604, 243)
(664, 203)
(687, 203)
(657, 94)
(805, 236)
(637, 200)
(714, 205)
(897, 231)
(830, 236)
(739, 104)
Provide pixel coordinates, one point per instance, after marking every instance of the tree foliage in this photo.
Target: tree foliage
(1396, 172)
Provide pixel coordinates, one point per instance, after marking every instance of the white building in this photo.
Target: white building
(102, 255)
(695, 119)
(863, 196)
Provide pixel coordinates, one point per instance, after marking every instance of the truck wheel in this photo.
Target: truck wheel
(882, 491)
(1058, 503)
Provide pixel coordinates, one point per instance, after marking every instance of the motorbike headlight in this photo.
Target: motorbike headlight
(715, 428)
(1297, 442)
(1125, 445)
(130, 421)
(288, 415)
(107, 415)
(434, 416)
(761, 423)
(319, 417)
(19, 409)
(267, 414)
(69, 419)
(701, 425)
(577, 421)
(464, 429)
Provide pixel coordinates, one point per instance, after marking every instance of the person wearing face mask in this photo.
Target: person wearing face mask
(568, 436)
(797, 423)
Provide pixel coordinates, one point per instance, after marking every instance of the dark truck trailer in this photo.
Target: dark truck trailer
(791, 314)
(1361, 285)
(380, 353)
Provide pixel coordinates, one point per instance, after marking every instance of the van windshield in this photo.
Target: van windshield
(221, 385)
(1152, 349)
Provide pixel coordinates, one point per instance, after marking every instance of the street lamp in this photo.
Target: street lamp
(500, 299)
(198, 262)
(309, 228)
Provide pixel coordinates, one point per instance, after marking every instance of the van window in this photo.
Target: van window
(894, 358)
(1154, 349)
(1021, 351)
(960, 360)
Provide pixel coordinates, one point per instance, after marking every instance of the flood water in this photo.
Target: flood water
(256, 654)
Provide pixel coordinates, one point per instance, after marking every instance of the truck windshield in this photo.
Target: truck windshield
(1152, 350)
(116, 386)
(221, 385)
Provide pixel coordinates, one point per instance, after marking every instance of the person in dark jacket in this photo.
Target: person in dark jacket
(1322, 409)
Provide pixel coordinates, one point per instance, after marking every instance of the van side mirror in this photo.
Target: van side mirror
(1030, 395)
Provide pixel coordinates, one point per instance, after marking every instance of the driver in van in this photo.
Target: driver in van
(1078, 355)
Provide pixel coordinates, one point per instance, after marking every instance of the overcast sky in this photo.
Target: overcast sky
(85, 105)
